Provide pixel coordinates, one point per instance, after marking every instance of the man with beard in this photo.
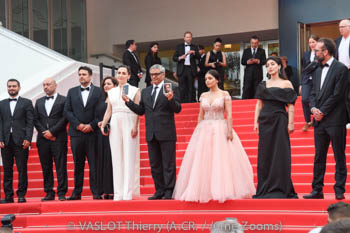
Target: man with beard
(327, 103)
(16, 131)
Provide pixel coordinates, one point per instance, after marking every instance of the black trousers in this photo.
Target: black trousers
(305, 100)
(10, 152)
(84, 147)
(162, 157)
(323, 136)
(134, 81)
(250, 84)
(186, 80)
(56, 151)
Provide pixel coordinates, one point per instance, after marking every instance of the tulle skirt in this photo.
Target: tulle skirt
(214, 168)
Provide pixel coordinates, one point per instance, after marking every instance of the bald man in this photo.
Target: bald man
(343, 43)
(52, 139)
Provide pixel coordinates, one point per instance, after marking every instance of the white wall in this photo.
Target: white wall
(111, 22)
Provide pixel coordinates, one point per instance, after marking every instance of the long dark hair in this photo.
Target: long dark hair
(114, 81)
(150, 53)
(281, 72)
(214, 73)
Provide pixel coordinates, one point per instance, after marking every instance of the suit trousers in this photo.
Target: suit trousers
(162, 157)
(323, 136)
(10, 152)
(305, 99)
(186, 85)
(250, 84)
(50, 151)
(134, 81)
(84, 147)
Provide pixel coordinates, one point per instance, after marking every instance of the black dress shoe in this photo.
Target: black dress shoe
(339, 196)
(21, 200)
(62, 198)
(156, 196)
(108, 197)
(48, 197)
(74, 198)
(314, 195)
(97, 197)
(166, 197)
(7, 200)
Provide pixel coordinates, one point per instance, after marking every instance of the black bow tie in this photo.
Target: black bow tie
(187, 45)
(14, 99)
(325, 65)
(85, 89)
(49, 97)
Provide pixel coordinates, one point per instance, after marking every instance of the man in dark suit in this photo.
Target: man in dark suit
(327, 102)
(343, 43)
(202, 70)
(79, 109)
(130, 59)
(253, 58)
(16, 131)
(52, 139)
(159, 111)
(186, 55)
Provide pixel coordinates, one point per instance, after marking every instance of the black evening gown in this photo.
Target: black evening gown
(217, 57)
(104, 160)
(274, 153)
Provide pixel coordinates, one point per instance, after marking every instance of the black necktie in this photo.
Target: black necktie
(49, 97)
(14, 99)
(254, 52)
(85, 89)
(154, 95)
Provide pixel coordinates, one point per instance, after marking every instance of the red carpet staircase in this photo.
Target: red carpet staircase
(140, 215)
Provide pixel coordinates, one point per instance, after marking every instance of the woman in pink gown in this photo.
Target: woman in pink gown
(215, 165)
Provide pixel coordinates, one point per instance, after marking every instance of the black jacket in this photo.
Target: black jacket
(180, 50)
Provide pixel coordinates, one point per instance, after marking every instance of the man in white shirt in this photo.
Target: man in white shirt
(343, 43)
(16, 131)
(52, 139)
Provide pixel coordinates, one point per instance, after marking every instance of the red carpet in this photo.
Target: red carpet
(174, 216)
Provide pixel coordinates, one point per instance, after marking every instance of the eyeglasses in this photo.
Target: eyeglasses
(155, 74)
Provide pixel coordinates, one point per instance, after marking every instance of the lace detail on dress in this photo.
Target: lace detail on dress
(214, 110)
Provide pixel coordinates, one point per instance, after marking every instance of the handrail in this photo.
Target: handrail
(114, 58)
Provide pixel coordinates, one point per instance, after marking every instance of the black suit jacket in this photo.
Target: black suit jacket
(180, 50)
(160, 122)
(22, 121)
(306, 73)
(331, 98)
(253, 70)
(76, 113)
(56, 123)
(337, 42)
(129, 60)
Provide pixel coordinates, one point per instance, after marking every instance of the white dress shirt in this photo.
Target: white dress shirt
(325, 71)
(85, 94)
(343, 51)
(133, 54)
(49, 104)
(187, 59)
(160, 85)
(13, 105)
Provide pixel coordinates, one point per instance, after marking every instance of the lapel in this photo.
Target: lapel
(92, 87)
(41, 104)
(18, 105)
(134, 57)
(159, 97)
(326, 79)
(149, 96)
(7, 103)
(78, 91)
(54, 106)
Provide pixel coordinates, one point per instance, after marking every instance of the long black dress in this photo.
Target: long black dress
(104, 160)
(216, 58)
(274, 153)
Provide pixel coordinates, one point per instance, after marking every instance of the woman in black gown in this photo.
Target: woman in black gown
(216, 59)
(274, 123)
(104, 160)
(151, 59)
